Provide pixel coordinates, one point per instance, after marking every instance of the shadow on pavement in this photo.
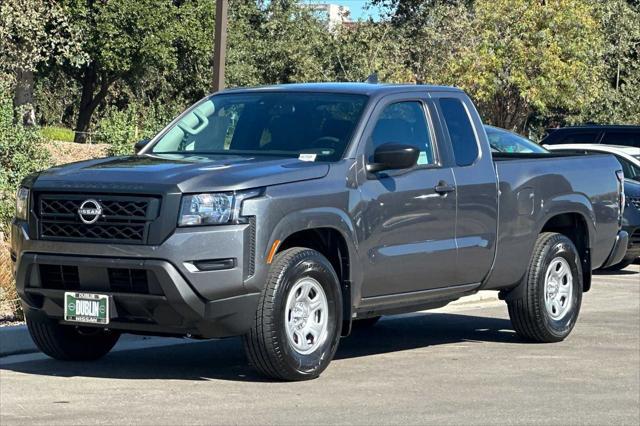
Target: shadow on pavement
(622, 272)
(225, 360)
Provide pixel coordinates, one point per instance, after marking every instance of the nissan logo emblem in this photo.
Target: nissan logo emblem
(90, 211)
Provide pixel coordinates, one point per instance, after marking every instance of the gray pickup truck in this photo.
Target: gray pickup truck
(287, 214)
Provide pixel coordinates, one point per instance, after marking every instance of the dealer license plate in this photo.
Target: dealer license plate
(86, 307)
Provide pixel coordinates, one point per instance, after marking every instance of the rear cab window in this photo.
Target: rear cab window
(461, 133)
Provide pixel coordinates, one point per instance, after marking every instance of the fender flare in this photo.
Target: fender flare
(332, 218)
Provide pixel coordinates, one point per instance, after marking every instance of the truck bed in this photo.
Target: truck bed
(535, 187)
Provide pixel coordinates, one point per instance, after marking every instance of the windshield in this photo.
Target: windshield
(504, 141)
(316, 125)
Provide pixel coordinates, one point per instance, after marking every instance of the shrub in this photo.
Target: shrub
(9, 304)
(57, 133)
(22, 152)
(121, 129)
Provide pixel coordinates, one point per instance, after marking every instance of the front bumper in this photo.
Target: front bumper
(178, 299)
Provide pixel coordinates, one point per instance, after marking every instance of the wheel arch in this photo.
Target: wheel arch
(328, 231)
(575, 226)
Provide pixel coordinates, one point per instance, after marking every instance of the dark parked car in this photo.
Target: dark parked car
(502, 140)
(283, 214)
(594, 134)
(629, 158)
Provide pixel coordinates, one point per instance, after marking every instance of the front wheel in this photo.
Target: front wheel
(547, 307)
(70, 343)
(297, 325)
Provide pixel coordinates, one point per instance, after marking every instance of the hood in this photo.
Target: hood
(178, 173)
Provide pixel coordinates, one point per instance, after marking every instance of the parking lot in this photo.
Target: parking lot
(457, 365)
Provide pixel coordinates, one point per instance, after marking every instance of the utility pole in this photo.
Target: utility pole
(220, 44)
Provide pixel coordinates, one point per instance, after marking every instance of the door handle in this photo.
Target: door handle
(443, 188)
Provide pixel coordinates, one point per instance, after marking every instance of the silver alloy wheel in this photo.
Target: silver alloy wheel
(306, 316)
(558, 288)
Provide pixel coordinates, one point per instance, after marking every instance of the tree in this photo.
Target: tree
(433, 37)
(354, 53)
(528, 57)
(34, 33)
(124, 40)
(619, 101)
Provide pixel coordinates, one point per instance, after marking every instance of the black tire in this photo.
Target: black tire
(267, 344)
(365, 322)
(69, 343)
(620, 266)
(529, 316)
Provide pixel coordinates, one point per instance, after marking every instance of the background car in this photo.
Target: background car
(502, 140)
(594, 134)
(629, 158)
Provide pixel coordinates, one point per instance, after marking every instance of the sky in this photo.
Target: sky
(357, 8)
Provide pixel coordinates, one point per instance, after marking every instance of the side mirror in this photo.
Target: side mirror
(141, 144)
(393, 156)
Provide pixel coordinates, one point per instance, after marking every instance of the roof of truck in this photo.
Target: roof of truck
(353, 88)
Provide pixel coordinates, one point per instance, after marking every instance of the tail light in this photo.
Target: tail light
(622, 201)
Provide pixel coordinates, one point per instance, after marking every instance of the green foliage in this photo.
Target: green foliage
(531, 57)
(121, 129)
(619, 101)
(57, 133)
(22, 152)
(354, 53)
(517, 58)
(33, 32)
(525, 63)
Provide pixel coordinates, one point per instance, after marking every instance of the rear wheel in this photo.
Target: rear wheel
(547, 307)
(70, 343)
(297, 325)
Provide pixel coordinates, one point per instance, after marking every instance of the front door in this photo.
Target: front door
(408, 242)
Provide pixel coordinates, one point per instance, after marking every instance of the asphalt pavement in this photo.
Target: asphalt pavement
(457, 365)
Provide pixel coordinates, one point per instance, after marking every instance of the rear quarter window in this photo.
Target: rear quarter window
(463, 138)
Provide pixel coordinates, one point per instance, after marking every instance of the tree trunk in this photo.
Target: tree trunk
(90, 100)
(23, 97)
(89, 81)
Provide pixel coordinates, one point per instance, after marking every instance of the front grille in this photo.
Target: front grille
(635, 201)
(123, 219)
(59, 277)
(635, 238)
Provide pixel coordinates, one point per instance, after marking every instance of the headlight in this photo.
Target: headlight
(213, 208)
(22, 203)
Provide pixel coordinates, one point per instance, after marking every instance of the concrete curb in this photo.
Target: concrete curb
(15, 340)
